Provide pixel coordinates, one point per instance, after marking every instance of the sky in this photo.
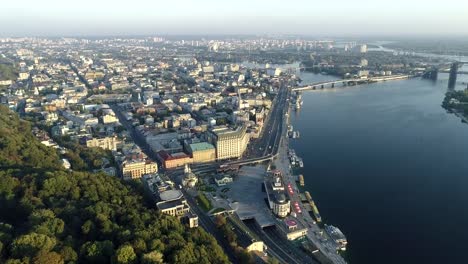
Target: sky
(207, 17)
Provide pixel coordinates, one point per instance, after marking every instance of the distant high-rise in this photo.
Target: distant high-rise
(363, 48)
(364, 63)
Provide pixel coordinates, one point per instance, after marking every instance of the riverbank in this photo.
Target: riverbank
(457, 102)
(316, 234)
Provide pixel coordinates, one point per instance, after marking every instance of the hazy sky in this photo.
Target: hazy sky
(310, 17)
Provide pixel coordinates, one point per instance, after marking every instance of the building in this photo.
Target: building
(277, 200)
(292, 229)
(202, 152)
(109, 143)
(229, 143)
(173, 203)
(66, 164)
(109, 119)
(135, 168)
(168, 200)
(190, 179)
(280, 205)
(174, 160)
(363, 73)
(363, 48)
(364, 63)
(23, 75)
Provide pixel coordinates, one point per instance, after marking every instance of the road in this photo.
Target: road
(324, 243)
(207, 223)
(204, 220)
(273, 143)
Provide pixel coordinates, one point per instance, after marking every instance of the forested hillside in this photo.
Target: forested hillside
(49, 215)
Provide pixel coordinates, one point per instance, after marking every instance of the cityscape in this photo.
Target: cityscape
(202, 147)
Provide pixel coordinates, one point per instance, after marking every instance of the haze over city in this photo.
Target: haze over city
(144, 17)
(248, 131)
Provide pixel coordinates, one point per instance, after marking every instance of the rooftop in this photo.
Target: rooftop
(170, 195)
(201, 146)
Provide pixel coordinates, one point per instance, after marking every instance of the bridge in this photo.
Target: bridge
(452, 69)
(350, 82)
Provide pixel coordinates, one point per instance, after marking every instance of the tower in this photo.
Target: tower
(453, 75)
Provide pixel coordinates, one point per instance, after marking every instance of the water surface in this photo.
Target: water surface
(388, 165)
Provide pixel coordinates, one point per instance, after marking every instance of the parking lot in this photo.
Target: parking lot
(247, 198)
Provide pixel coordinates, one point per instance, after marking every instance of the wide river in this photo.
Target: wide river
(389, 166)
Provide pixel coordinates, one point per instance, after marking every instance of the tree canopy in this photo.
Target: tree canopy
(51, 215)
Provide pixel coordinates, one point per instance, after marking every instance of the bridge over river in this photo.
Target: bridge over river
(350, 82)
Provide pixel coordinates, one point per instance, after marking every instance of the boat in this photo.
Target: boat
(338, 236)
(298, 104)
(294, 134)
(301, 180)
(315, 210)
(301, 163)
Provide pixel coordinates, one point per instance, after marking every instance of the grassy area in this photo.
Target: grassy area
(204, 203)
(8, 72)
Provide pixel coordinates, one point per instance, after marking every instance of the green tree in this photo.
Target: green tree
(220, 221)
(69, 254)
(24, 260)
(45, 209)
(44, 257)
(97, 251)
(153, 257)
(125, 255)
(32, 243)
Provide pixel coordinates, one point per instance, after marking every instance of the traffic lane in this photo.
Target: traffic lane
(209, 226)
(271, 244)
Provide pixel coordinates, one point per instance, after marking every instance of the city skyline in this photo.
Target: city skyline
(338, 17)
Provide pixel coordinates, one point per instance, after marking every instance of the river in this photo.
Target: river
(389, 166)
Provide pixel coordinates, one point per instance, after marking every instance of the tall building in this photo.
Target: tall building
(202, 152)
(229, 143)
(135, 168)
(363, 48)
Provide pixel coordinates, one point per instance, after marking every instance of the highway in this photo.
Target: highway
(270, 145)
(323, 242)
(266, 147)
(207, 223)
(204, 220)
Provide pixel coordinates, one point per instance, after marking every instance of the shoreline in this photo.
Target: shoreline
(316, 234)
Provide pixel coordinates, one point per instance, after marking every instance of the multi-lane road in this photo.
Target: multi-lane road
(270, 145)
(315, 234)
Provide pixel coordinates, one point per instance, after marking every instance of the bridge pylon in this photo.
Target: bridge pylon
(453, 75)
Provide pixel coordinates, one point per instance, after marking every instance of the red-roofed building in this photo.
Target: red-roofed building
(174, 160)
